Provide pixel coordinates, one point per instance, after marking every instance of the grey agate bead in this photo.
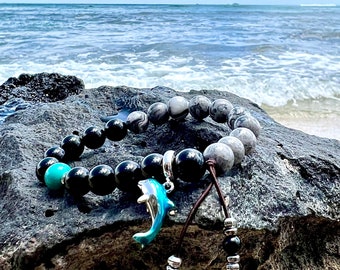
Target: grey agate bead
(236, 146)
(137, 122)
(220, 109)
(199, 107)
(247, 137)
(178, 107)
(250, 122)
(235, 113)
(222, 155)
(158, 113)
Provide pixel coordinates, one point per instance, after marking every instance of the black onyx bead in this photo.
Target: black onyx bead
(190, 165)
(115, 130)
(127, 174)
(73, 147)
(231, 245)
(93, 138)
(152, 166)
(43, 165)
(102, 180)
(76, 181)
(56, 152)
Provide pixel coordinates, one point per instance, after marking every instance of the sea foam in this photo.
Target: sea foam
(272, 55)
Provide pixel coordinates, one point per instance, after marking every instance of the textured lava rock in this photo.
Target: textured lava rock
(41, 87)
(285, 195)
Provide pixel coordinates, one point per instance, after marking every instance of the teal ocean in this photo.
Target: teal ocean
(284, 58)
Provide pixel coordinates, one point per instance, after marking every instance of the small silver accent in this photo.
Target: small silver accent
(228, 232)
(63, 179)
(233, 259)
(230, 223)
(168, 159)
(174, 262)
(232, 266)
(173, 213)
(169, 186)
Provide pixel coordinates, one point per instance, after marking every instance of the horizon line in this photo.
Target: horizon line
(170, 4)
(178, 4)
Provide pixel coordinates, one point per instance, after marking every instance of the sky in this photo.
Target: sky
(244, 2)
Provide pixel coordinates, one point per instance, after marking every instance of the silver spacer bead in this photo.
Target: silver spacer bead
(232, 266)
(174, 262)
(228, 232)
(230, 223)
(233, 259)
(168, 160)
(63, 179)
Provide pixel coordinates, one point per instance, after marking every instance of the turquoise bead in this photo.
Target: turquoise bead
(54, 174)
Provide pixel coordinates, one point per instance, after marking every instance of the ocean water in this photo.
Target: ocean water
(284, 58)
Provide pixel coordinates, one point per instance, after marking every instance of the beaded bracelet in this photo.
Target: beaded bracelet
(161, 171)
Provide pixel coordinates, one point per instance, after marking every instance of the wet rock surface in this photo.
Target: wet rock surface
(41, 87)
(285, 195)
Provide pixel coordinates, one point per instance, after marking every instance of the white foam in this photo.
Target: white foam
(318, 5)
(262, 79)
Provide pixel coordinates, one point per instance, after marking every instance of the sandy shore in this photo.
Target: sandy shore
(315, 117)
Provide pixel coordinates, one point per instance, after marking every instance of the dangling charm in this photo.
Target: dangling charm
(157, 204)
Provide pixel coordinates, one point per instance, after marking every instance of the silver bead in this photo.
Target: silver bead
(228, 232)
(174, 262)
(168, 161)
(230, 223)
(233, 259)
(232, 266)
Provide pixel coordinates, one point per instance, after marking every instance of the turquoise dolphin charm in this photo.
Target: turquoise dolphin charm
(158, 205)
